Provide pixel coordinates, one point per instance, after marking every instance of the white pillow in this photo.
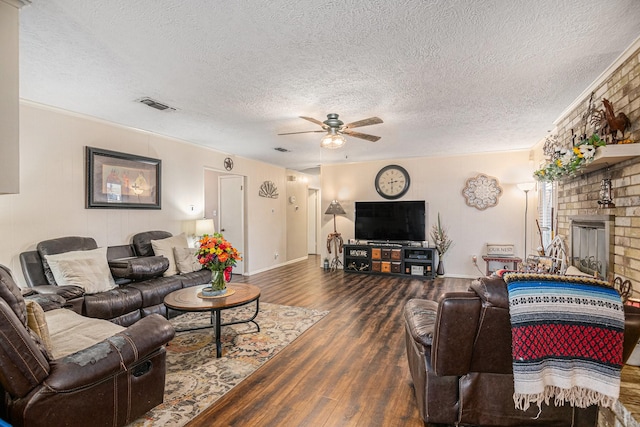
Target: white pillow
(164, 247)
(186, 260)
(575, 271)
(87, 269)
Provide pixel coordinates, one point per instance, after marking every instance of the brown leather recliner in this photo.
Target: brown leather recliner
(136, 270)
(459, 353)
(110, 383)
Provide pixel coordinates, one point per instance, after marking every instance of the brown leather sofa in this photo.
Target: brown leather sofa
(136, 270)
(459, 353)
(110, 383)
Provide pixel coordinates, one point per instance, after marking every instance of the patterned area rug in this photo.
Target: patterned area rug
(196, 379)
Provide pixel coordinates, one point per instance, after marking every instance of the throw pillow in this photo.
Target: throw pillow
(37, 322)
(164, 247)
(86, 269)
(186, 260)
(575, 271)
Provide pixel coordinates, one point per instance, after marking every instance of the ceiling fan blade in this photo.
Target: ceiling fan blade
(365, 122)
(306, 131)
(312, 120)
(371, 138)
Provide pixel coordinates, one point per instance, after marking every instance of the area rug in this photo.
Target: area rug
(196, 378)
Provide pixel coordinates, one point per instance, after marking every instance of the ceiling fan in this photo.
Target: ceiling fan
(335, 127)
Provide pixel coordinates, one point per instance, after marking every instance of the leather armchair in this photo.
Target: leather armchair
(459, 353)
(110, 383)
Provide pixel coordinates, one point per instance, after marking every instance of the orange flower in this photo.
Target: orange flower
(216, 253)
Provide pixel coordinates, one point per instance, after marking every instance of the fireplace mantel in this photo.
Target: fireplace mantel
(592, 218)
(609, 155)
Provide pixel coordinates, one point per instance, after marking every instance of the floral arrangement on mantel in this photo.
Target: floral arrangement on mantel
(219, 256)
(440, 238)
(566, 162)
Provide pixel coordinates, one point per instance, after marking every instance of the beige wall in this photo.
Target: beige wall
(52, 198)
(51, 203)
(439, 181)
(9, 110)
(211, 196)
(266, 218)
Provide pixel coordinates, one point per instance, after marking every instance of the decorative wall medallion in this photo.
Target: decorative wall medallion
(268, 189)
(228, 163)
(482, 192)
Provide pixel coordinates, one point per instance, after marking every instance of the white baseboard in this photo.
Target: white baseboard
(462, 276)
(455, 276)
(271, 267)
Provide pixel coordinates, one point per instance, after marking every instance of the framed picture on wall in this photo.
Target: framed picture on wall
(120, 180)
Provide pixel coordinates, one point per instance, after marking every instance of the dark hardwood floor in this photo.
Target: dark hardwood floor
(350, 369)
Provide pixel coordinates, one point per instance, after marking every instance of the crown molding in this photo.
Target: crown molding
(628, 52)
(17, 3)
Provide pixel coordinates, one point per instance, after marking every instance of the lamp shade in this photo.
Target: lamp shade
(526, 186)
(335, 209)
(204, 226)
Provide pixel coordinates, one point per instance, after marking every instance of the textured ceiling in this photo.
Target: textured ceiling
(447, 77)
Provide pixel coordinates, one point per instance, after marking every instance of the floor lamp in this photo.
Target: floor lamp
(526, 187)
(335, 238)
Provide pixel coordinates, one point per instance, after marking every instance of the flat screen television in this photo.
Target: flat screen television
(400, 221)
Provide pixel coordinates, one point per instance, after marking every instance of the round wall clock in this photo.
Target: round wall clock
(228, 163)
(392, 182)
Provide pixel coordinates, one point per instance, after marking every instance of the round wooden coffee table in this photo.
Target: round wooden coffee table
(187, 299)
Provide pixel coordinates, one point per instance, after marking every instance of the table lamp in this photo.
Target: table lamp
(204, 226)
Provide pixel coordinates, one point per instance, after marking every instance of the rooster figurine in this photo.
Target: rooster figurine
(615, 123)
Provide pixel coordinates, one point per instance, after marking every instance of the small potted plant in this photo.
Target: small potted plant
(217, 254)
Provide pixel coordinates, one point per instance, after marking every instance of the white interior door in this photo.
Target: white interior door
(312, 218)
(231, 206)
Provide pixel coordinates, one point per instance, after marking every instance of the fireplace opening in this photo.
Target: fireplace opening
(591, 244)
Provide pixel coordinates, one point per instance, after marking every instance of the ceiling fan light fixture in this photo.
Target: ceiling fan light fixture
(332, 140)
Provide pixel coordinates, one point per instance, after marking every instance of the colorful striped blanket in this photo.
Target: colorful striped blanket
(567, 335)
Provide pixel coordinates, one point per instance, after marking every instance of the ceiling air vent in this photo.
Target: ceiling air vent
(155, 104)
(281, 149)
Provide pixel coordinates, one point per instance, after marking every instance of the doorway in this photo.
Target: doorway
(231, 217)
(223, 216)
(312, 225)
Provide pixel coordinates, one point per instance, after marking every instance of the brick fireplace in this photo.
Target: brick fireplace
(577, 197)
(592, 246)
(577, 205)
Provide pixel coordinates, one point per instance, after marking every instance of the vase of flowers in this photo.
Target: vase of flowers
(217, 254)
(441, 240)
